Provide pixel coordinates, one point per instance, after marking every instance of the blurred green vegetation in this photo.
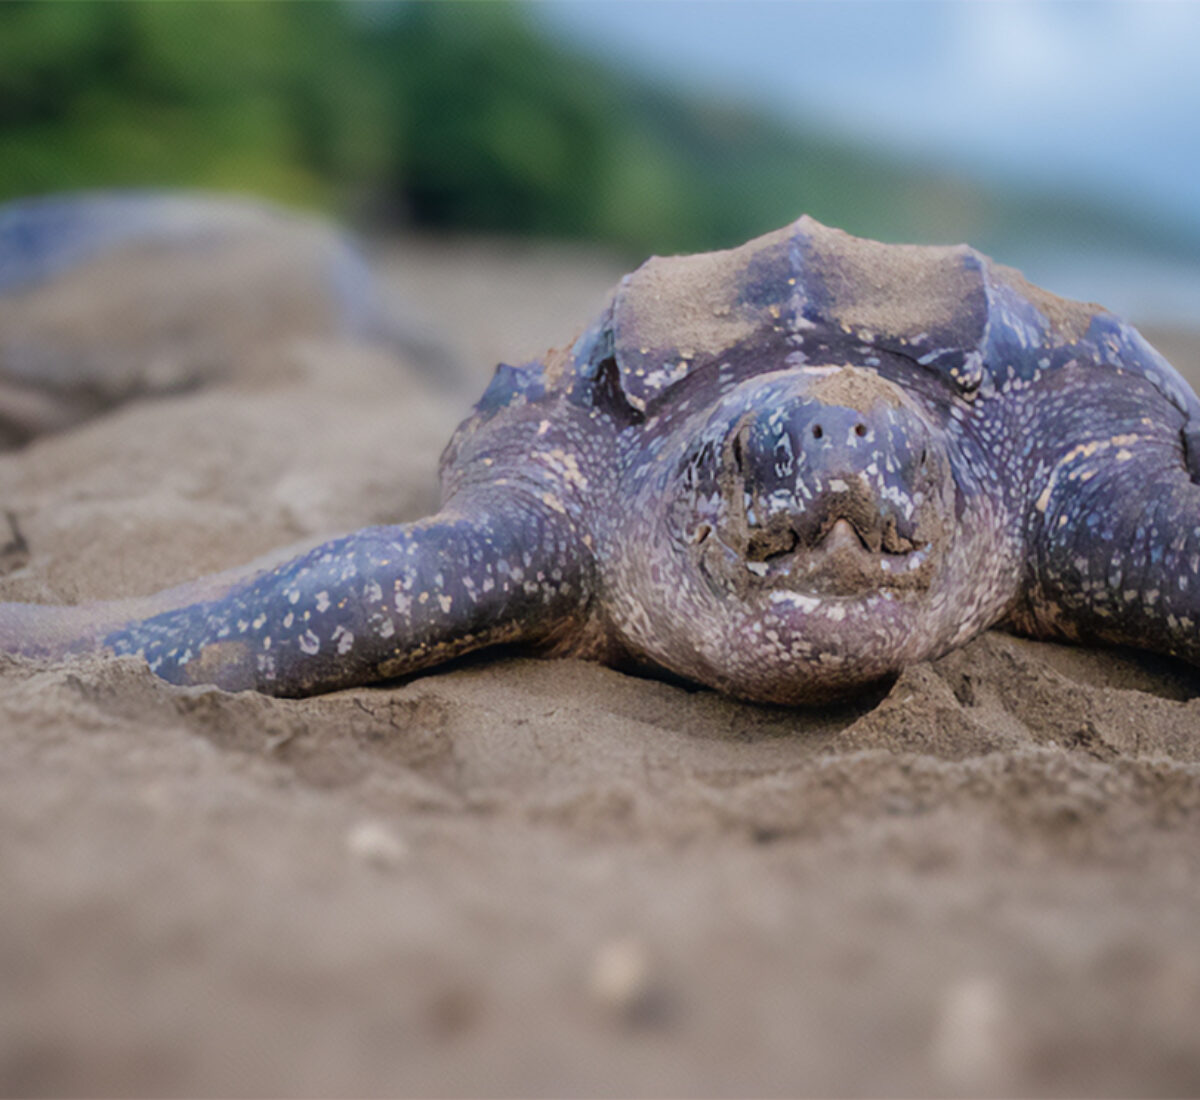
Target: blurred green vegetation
(449, 116)
(256, 97)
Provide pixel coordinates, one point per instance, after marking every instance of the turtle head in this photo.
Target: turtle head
(803, 543)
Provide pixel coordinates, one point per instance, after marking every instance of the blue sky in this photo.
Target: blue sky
(1101, 98)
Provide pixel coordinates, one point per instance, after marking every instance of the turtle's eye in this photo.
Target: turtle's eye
(597, 375)
(1190, 434)
(607, 393)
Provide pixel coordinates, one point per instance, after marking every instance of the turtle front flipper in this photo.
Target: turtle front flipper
(1114, 524)
(380, 603)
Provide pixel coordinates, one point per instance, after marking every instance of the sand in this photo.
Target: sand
(546, 877)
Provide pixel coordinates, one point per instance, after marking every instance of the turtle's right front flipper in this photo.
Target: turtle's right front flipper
(380, 603)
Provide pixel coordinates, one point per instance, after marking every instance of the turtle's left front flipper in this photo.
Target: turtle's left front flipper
(1114, 527)
(377, 604)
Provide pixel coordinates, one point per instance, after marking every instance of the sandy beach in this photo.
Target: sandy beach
(522, 877)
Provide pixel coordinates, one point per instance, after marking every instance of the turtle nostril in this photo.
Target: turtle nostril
(817, 431)
(860, 429)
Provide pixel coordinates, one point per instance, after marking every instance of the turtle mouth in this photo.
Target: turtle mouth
(797, 492)
(874, 535)
(847, 553)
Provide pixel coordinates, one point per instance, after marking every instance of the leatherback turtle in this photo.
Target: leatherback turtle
(109, 295)
(783, 471)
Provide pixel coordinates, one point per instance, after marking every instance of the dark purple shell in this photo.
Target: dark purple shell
(810, 294)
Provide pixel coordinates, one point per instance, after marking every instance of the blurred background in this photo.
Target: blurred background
(1058, 137)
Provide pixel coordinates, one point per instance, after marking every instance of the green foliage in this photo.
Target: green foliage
(453, 116)
(245, 96)
(502, 130)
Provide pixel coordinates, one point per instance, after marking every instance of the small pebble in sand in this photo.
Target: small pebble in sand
(968, 1047)
(376, 844)
(620, 976)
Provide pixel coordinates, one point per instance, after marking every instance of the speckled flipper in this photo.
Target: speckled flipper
(380, 603)
(1114, 530)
